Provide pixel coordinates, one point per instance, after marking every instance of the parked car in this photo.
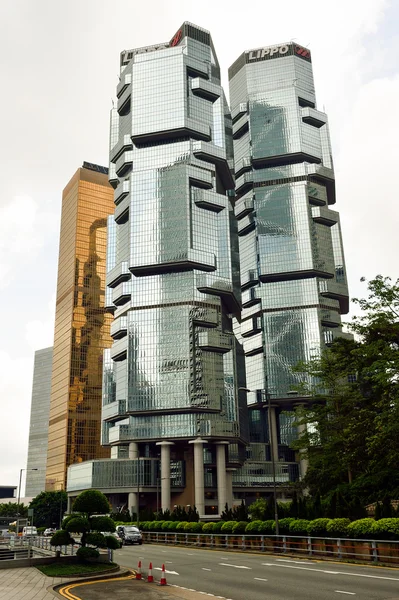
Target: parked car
(29, 531)
(50, 531)
(115, 535)
(129, 534)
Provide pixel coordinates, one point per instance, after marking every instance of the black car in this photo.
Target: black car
(129, 534)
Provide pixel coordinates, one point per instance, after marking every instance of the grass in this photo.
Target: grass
(60, 570)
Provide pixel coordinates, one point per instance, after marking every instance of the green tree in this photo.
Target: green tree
(49, 508)
(351, 436)
(11, 509)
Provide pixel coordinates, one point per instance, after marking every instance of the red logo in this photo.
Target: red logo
(304, 52)
(176, 39)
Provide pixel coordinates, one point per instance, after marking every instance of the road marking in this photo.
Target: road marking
(297, 562)
(342, 592)
(166, 571)
(235, 566)
(330, 572)
(168, 562)
(65, 591)
(260, 579)
(203, 568)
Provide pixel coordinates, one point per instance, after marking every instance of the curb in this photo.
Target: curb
(109, 574)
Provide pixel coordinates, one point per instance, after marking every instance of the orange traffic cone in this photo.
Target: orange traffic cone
(163, 576)
(138, 572)
(150, 578)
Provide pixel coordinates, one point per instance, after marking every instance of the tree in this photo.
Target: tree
(11, 509)
(88, 520)
(351, 436)
(49, 508)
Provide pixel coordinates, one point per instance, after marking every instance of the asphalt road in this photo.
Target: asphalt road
(239, 576)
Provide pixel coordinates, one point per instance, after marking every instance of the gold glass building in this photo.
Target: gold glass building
(82, 327)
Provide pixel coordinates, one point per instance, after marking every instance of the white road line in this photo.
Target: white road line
(260, 579)
(342, 592)
(235, 566)
(203, 568)
(331, 572)
(166, 571)
(297, 562)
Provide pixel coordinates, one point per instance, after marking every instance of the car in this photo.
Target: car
(115, 535)
(49, 531)
(129, 534)
(29, 531)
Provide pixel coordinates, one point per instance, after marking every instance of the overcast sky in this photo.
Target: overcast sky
(59, 64)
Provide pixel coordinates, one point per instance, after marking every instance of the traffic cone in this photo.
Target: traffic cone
(138, 573)
(150, 578)
(163, 576)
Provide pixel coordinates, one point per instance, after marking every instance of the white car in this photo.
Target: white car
(49, 531)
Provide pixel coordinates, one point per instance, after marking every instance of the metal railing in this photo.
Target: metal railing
(377, 551)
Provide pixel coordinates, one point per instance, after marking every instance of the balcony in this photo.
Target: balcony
(205, 89)
(121, 294)
(313, 117)
(208, 199)
(246, 224)
(215, 341)
(118, 274)
(123, 144)
(121, 214)
(240, 127)
(124, 163)
(238, 111)
(325, 216)
(119, 327)
(122, 191)
(244, 183)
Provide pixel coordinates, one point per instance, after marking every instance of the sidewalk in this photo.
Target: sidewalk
(27, 584)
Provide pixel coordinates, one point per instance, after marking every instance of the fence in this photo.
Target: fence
(377, 551)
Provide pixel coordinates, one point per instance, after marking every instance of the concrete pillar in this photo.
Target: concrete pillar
(165, 474)
(229, 487)
(69, 504)
(133, 450)
(132, 502)
(199, 475)
(273, 438)
(221, 475)
(303, 461)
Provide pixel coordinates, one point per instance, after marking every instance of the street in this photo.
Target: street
(239, 576)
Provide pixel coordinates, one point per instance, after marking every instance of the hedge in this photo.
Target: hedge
(318, 527)
(338, 527)
(363, 528)
(299, 527)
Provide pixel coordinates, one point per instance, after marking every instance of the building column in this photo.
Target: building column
(165, 474)
(273, 438)
(303, 461)
(229, 487)
(133, 497)
(69, 504)
(221, 475)
(199, 475)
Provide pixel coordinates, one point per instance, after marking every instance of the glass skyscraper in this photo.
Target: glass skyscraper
(172, 376)
(82, 327)
(293, 276)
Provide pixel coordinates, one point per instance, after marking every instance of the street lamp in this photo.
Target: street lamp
(19, 493)
(273, 458)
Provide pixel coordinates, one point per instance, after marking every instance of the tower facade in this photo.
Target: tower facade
(39, 418)
(172, 375)
(82, 327)
(293, 276)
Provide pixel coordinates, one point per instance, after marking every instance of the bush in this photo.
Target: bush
(151, 525)
(181, 526)
(41, 530)
(96, 539)
(268, 527)
(299, 527)
(158, 525)
(217, 527)
(91, 502)
(103, 524)
(165, 525)
(338, 528)
(111, 542)
(77, 525)
(318, 527)
(193, 527)
(208, 527)
(61, 538)
(363, 528)
(85, 553)
(172, 525)
(227, 527)
(239, 528)
(253, 527)
(387, 529)
(284, 524)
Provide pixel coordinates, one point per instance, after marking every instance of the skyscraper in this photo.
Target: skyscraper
(39, 417)
(293, 276)
(172, 375)
(81, 325)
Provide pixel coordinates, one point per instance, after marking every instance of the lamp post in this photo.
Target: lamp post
(19, 494)
(273, 458)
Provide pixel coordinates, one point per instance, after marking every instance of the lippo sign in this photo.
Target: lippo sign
(277, 52)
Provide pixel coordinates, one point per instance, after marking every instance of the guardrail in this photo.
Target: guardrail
(376, 551)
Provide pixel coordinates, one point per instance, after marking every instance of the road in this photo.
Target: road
(239, 576)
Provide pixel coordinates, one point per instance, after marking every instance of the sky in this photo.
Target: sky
(59, 64)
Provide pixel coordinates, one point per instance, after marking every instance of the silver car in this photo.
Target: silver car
(129, 534)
